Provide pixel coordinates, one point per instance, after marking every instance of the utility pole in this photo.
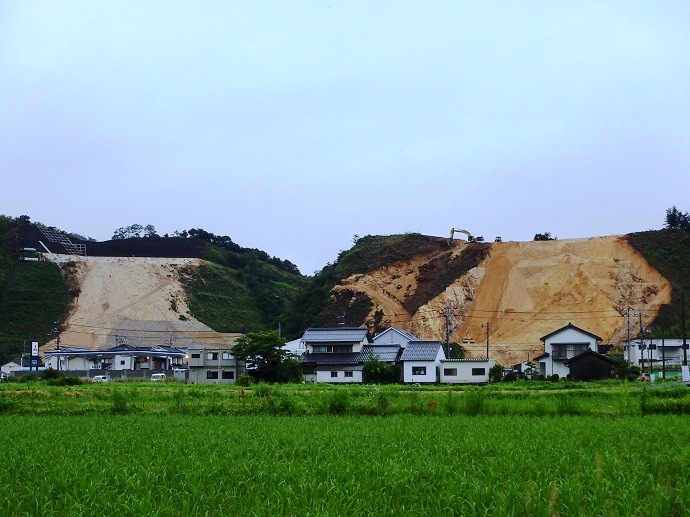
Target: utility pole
(627, 344)
(642, 345)
(57, 332)
(682, 322)
(448, 315)
(487, 339)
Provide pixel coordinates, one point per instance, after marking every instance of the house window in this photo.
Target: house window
(226, 356)
(196, 356)
(334, 374)
(228, 375)
(328, 349)
(450, 372)
(348, 374)
(211, 374)
(122, 362)
(419, 370)
(212, 356)
(478, 371)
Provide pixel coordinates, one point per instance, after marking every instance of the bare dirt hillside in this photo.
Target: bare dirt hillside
(522, 290)
(138, 299)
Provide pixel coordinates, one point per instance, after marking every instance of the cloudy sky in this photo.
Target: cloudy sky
(293, 126)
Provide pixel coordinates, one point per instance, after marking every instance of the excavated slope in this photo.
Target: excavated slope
(522, 291)
(139, 298)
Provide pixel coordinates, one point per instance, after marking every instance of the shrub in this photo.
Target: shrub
(474, 403)
(244, 380)
(338, 402)
(120, 405)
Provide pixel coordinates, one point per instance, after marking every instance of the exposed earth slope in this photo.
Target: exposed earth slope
(522, 290)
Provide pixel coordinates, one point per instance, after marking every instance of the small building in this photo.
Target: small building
(421, 360)
(466, 371)
(213, 366)
(11, 367)
(590, 366)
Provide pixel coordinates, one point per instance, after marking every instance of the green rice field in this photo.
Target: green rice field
(271, 450)
(344, 465)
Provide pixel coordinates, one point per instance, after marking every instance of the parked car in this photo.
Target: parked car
(158, 377)
(99, 378)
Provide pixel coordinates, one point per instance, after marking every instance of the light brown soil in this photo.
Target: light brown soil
(523, 291)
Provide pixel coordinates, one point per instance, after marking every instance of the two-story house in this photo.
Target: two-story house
(562, 345)
(213, 366)
(333, 355)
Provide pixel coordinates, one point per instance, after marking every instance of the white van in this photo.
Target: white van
(99, 378)
(157, 377)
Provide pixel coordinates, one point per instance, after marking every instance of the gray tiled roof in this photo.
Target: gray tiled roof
(335, 335)
(384, 353)
(421, 351)
(327, 358)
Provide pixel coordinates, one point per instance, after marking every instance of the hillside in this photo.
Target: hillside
(174, 281)
(522, 290)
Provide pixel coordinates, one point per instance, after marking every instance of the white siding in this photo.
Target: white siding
(429, 376)
(325, 376)
(463, 371)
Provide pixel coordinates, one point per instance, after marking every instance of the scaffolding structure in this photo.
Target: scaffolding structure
(53, 236)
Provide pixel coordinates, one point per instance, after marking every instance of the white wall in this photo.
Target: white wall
(464, 371)
(325, 376)
(429, 377)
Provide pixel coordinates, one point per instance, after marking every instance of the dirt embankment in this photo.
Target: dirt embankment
(522, 291)
(112, 289)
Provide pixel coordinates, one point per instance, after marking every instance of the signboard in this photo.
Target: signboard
(685, 373)
(34, 348)
(34, 362)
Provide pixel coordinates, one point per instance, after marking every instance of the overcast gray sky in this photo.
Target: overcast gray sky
(292, 126)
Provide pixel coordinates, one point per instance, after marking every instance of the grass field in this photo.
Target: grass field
(344, 465)
(135, 448)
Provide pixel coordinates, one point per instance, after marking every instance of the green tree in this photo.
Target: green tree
(263, 353)
(677, 220)
(496, 373)
(376, 371)
(546, 236)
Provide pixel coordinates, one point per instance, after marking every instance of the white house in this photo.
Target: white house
(421, 360)
(562, 344)
(10, 367)
(670, 351)
(466, 371)
(334, 355)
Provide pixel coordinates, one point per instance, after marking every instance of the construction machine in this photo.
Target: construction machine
(470, 237)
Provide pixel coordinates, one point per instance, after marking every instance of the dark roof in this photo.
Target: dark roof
(542, 356)
(329, 358)
(120, 349)
(384, 353)
(335, 335)
(421, 351)
(577, 357)
(571, 326)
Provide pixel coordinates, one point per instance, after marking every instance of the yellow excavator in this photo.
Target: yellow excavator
(470, 237)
